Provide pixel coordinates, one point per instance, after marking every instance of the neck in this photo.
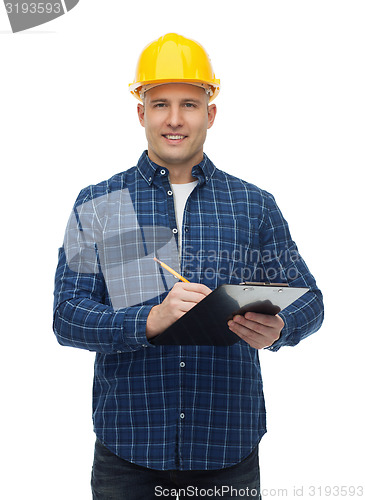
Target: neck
(180, 173)
(180, 176)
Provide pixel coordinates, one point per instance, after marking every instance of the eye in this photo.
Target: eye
(190, 105)
(159, 105)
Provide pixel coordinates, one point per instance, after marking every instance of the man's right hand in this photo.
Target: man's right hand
(181, 298)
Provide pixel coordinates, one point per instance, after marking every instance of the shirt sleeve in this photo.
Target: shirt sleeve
(283, 263)
(82, 316)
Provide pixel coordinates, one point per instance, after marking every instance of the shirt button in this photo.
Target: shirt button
(182, 415)
(149, 179)
(186, 230)
(169, 193)
(182, 364)
(174, 230)
(162, 172)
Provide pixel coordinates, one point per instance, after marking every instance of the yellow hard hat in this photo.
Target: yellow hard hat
(173, 58)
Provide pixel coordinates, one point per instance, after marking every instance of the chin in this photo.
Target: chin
(174, 159)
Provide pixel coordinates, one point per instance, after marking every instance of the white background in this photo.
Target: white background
(290, 119)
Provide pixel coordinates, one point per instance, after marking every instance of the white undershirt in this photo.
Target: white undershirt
(181, 194)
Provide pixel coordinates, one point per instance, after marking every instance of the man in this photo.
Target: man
(170, 418)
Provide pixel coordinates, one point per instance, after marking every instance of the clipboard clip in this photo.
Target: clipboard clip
(264, 283)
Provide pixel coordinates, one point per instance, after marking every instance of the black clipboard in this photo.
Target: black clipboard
(206, 323)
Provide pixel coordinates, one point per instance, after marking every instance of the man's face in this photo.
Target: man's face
(176, 117)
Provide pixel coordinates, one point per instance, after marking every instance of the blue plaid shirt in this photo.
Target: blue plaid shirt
(184, 407)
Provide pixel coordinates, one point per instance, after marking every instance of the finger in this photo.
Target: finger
(254, 339)
(200, 288)
(186, 306)
(250, 325)
(263, 319)
(241, 330)
(193, 297)
(194, 287)
(251, 330)
(189, 293)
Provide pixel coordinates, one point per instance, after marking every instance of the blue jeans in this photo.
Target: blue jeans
(116, 479)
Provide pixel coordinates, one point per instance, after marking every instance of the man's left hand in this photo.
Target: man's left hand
(258, 330)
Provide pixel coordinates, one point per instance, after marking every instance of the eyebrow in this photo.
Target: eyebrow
(158, 100)
(187, 99)
(195, 101)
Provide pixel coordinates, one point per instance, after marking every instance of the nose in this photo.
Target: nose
(174, 118)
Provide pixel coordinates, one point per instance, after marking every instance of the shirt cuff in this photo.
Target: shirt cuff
(134, 329)
(289, 327)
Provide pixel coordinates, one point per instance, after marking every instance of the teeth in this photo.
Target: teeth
(174, 137)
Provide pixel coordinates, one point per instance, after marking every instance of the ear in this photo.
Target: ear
(140, 111)
(212, 111)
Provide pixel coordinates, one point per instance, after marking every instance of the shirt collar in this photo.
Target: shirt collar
(203, 171)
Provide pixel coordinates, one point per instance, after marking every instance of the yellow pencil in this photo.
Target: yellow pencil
(170, 270)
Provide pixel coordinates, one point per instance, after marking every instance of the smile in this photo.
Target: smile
(171, 137)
